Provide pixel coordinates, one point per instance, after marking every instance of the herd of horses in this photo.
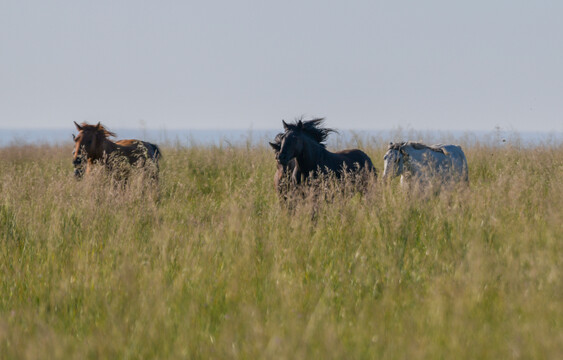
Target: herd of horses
(300, 152)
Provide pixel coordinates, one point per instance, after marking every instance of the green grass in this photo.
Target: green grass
(212, 266)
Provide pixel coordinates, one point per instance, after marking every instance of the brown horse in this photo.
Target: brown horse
(92, 144)
(285, 174)
(304, 141)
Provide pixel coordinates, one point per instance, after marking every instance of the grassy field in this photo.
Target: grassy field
(211, 266)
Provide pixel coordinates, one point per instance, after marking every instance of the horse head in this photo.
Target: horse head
(88, 143)
(276, 145)
(290, 144)
(394, 161)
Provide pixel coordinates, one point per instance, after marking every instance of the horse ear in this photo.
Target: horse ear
(275, 146)
(300, 124)
(78, 127)
(98, 125)
(285, 126)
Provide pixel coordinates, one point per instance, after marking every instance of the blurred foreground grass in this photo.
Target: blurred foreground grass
(211, 266)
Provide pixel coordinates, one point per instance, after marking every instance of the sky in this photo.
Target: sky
(443, 65)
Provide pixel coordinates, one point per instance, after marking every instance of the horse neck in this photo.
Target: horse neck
(405, 170)
(106, 148)
(313, 156)
(415, 159)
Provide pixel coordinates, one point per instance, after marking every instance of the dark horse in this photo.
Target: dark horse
(93, 145)
(304, 141)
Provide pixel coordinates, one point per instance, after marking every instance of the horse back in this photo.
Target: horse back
(453, 158)
(133, 146)
(351, 157)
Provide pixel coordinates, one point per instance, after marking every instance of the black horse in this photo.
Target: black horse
(304, 142)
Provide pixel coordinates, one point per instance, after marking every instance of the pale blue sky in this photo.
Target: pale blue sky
(446, 65)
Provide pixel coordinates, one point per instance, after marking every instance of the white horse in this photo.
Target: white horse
(423, 164)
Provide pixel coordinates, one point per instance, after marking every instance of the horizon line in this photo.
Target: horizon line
(398, 128)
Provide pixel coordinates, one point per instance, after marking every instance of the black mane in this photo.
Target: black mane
(312, 128)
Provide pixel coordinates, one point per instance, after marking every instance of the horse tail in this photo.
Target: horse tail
(465, 169)
(156, 153)
(369, 165)
(155, 157)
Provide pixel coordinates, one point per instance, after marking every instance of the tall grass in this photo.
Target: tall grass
(210, 265)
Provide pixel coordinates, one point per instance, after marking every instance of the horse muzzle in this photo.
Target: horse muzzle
(78, 168)
(78, 173)
(283, 160)
(386, 177)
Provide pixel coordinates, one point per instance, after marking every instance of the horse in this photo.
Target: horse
(283, 178)
(425, 164)
(304, 141)
(92, 145)
(80, 162)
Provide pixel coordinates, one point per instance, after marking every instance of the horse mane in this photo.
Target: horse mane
(98, 129)
(313, 128)
(278, 139)
(415, 145)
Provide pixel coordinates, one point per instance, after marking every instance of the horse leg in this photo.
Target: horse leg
(89, 165)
